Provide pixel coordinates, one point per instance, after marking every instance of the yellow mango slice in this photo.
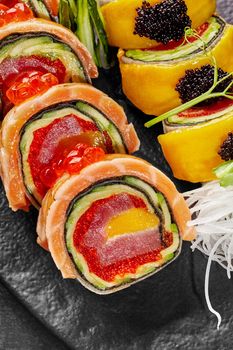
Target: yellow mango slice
(119, 17)
(151, 86)
(192, 152)
(131, 221)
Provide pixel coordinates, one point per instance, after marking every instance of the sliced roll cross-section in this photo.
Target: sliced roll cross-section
(193, 140)
(61, 130)
(41, 46)
(117, 222)
(144, 24)
(150, 77)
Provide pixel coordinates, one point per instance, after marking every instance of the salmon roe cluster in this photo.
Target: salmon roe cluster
(18, 12)
(73, 162)
(29, 85)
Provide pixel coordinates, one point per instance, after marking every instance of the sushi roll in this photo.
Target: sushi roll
(150, 77)
(115, 223)
(145, 24)
(51, 131)
(83, 18)
(198, 115)
(192, 149)
(43, 47)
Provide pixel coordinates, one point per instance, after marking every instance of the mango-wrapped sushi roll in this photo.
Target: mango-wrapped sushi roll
(68, 126)
(38, 47)
(192, 149)
(196, 131)
(150, 77)
(145, 24)
(118, 221)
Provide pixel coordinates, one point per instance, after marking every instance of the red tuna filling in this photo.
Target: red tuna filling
(173, 44)
(13, 70)
(120, 255)
(60, 147)
(216, 107)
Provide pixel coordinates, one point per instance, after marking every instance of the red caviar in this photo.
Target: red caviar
(29, 85)
(19, 12)
(14, 69)
(73, 149)
(93, 250)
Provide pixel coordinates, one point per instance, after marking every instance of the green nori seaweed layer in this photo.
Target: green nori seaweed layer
(226, 150)
(162, 22)
(198, 81)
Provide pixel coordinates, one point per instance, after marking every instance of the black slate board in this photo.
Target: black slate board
(40, 310)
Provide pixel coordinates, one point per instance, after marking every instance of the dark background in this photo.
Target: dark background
(40, 310)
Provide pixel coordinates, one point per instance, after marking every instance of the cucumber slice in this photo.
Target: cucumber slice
(101, 43)
(84, 27)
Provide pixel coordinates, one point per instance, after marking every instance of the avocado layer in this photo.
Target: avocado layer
(80, 109)
(155, 203)
(43, 44)
(209, 37)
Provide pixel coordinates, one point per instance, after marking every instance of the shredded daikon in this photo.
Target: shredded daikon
(211, 207)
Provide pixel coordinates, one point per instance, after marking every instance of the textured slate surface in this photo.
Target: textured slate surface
(39, 310)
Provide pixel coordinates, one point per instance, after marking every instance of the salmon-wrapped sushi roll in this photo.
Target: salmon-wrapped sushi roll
(150, 77)
(38, 46)
(116, 222)
(42, 133)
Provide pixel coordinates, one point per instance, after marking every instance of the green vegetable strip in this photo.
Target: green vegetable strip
(101, 44)
(224, 173)
(91, 32)
(64, 14)
(84, 28)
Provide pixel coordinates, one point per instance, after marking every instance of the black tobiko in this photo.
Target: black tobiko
(226, 150)
(162, 22)
(198, 81)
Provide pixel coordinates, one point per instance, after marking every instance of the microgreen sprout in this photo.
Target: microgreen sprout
(227, 93)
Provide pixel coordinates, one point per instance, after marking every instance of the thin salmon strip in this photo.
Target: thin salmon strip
(59, 96)
(62, 33)
(61, 204)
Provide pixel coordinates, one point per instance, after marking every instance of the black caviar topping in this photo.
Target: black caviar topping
(198, 81)
(162, 22)
(226, 150)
